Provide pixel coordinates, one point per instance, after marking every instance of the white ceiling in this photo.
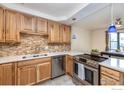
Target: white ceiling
(55, 9)
(92, 16)
(101, 19)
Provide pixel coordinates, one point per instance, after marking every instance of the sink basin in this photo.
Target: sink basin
(34, 55)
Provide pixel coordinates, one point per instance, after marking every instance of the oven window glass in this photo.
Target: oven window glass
(89, 76)
(76, 68)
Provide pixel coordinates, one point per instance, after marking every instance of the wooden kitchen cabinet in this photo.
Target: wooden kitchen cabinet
(65, 34)
(28, 23)
(6, 74)
(2, 33)
(9, 26)
(12, 26)
(27, 75)
(105, 80)
(33, 71)
(59, 33)
(13, 23)
(69, 65)
(43, 71)
(110, 77)
(42, 26)
(53, 32)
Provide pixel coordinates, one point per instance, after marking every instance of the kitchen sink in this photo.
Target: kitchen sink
(34, 55)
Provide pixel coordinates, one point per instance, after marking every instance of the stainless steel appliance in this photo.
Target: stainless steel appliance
(57, 66)
(89, 69)
(78, 72)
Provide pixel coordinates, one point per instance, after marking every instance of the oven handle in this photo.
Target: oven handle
(90, 68)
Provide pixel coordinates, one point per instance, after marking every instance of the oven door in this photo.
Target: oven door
(75, 68)
(79, 70)
(91, 75)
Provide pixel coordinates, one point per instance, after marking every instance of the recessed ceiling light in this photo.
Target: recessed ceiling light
(73, 19)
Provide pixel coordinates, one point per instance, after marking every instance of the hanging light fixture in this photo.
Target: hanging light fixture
(112, 27)
(118, 22)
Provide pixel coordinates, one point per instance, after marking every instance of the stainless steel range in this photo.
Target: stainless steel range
(86, 69)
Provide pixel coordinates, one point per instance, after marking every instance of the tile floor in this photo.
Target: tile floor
(62, 80)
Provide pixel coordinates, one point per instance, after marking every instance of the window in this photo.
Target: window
(116, 41)
(113, 41)
(121, 40)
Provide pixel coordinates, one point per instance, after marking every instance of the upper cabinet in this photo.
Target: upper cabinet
(33, 25)
(59, 33)
(53, 32)
(2, 33)
(41, 26)
(9, 26)
(13, 23)
(28, 23)
(65, 34)
(12, 27)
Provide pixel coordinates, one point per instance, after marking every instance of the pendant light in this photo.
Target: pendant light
(118, 22)
(112, 27)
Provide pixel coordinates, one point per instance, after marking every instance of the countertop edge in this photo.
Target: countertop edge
(111, 67)
(18, 58)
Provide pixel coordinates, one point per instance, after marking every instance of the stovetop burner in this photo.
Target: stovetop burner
(93, 57)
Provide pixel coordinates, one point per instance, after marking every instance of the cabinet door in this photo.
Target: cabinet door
(41, 26)
(28, 23)
(53, 31)
(69, 65)
(43, 71)
(6, 74)
(61, 33)
(66, 34)
(105, 80)
(27, 75)
(2, 33)
(12, 26)
(68, 31)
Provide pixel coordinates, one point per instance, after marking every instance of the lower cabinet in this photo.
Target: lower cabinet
(69, 65)
(27, 75)
(111, 77)
(43, 71)
(33, 71)
(6, 74)
(105, 80)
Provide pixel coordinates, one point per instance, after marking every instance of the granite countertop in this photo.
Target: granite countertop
(30, 56)
(112, 53)
(114, 63)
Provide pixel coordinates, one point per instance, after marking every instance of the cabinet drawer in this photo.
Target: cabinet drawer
(34, 61)
(105, 80)
(111, 73)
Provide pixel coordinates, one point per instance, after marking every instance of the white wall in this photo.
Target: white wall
(82, 41)
(98, 40)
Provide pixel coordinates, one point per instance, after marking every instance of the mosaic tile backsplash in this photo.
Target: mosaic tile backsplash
(31, 44)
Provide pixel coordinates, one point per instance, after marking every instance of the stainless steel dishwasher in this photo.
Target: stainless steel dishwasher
(57, 66)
